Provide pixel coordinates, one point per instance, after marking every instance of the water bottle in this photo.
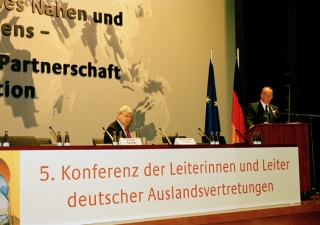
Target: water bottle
(216, 137)
(5, 142)
(254, 138)
(265, 117)
(120, 135)
(59, 139)
(212, 139)
(258, 138)
(66, 139)
(115, 138)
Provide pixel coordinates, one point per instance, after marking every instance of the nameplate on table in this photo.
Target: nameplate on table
(130, 141)
(184, 141)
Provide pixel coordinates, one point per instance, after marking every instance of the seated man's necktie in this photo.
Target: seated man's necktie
(127, 133)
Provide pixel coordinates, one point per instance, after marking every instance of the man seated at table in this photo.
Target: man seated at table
(124, 118)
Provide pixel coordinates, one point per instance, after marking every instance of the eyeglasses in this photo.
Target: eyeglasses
(128, 116)
(269, 97)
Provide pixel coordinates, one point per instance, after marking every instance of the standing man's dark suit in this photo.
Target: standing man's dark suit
(115, 126)
(255, 113)
(255, 110)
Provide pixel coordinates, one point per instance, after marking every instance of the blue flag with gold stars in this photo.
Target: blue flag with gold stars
(212, 114)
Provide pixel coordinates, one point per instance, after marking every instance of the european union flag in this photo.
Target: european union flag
(212, 114)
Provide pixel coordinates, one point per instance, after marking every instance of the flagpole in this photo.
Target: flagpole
(212, 122)
(237, 57)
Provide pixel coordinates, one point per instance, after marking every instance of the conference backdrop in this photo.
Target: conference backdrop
(71, 65)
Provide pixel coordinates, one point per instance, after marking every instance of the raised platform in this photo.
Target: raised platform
(308, 212)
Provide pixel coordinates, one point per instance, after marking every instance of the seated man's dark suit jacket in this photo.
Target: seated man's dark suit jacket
(255, 112)
(115, 126)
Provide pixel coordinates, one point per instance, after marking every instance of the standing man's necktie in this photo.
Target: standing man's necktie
(127, 133)
(267, 111)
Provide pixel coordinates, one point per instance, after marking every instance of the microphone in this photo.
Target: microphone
(247, 142)
(165, 136)
(274, 111)
(203, 134)
(108, 133)
(298, 118)
(55, 134)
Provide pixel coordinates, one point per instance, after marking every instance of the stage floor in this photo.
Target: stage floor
(307, 212)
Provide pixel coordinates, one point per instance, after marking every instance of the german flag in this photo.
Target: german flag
(237, 115)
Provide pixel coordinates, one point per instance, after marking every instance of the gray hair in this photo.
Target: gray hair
(266, 87)
(125, 109)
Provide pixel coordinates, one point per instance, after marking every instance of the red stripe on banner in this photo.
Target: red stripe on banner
(237, 120)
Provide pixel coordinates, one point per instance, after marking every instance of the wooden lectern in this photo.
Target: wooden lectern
(295, 133)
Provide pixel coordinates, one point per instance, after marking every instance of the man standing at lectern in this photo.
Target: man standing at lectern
(256, 111)
(124, 118)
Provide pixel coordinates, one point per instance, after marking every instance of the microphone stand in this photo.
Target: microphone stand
(54, 133)
(108, 133)
(312, 147)
(203, 134)
(245, 139)
(169, 142)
